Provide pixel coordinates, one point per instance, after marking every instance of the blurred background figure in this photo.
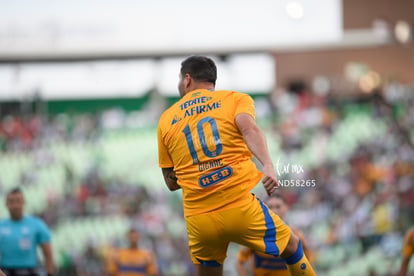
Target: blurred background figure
(132, 261)
(20, 235)
(408, 251)
(263, 264)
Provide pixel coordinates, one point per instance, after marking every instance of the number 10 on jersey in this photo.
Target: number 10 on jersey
(203, 140)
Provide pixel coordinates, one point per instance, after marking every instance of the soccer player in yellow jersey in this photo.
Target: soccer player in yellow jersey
(132, 261)
(264, 264)
(206, 141)
(408, 251)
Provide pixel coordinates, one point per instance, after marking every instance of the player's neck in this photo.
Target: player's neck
(16, 217)
(133, 246)
(202, 85)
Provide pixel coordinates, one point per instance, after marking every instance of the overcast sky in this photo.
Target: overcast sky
(160, 25)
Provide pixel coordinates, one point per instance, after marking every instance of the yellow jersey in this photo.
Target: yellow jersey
(198, 137)
(408, 247)
(132, 262)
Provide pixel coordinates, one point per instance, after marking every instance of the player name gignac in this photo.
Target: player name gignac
(210, 164)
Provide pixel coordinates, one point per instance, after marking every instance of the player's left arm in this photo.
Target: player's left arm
(48, 255)
(256, 142)
(170, 179)
(43, 239)
(166, 163)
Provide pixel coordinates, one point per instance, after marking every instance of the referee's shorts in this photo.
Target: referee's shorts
(20, 271)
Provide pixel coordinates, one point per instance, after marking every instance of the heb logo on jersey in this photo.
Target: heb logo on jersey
(215, 177)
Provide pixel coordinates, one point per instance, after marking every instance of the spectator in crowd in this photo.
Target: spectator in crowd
(132, 261)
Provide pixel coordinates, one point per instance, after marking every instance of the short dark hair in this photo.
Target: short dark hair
(16, 190)
(200, 68)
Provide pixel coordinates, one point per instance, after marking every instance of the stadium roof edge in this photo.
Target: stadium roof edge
(361, 38)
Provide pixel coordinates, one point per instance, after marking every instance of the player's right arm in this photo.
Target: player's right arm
(256, 142)
(242, 258)
(407, 252)
(2, 273)
(166, 163)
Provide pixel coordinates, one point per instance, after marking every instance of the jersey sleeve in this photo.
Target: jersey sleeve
(244, 254)
(152, 267)
(164, 158)
(111, 262)
(408, 249)
(43, 234)
(245, 104)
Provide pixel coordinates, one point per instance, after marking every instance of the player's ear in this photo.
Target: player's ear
(187, 80)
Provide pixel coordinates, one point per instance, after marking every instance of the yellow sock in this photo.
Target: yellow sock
(298, 264)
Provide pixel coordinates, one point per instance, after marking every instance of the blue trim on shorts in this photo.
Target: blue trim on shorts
(270, 234)
(270, 263)
(209, 263)
(296, 256)
(132, 268)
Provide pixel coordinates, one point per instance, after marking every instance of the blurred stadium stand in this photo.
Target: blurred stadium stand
(78, 134)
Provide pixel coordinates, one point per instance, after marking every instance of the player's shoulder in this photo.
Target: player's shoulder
(232, 93)
(170, 109)
(145, 252)
(234, 97)
(34, 220)
(30, 218)
(4, 221)
(120, 251)
(410, 233)
(169, 113)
